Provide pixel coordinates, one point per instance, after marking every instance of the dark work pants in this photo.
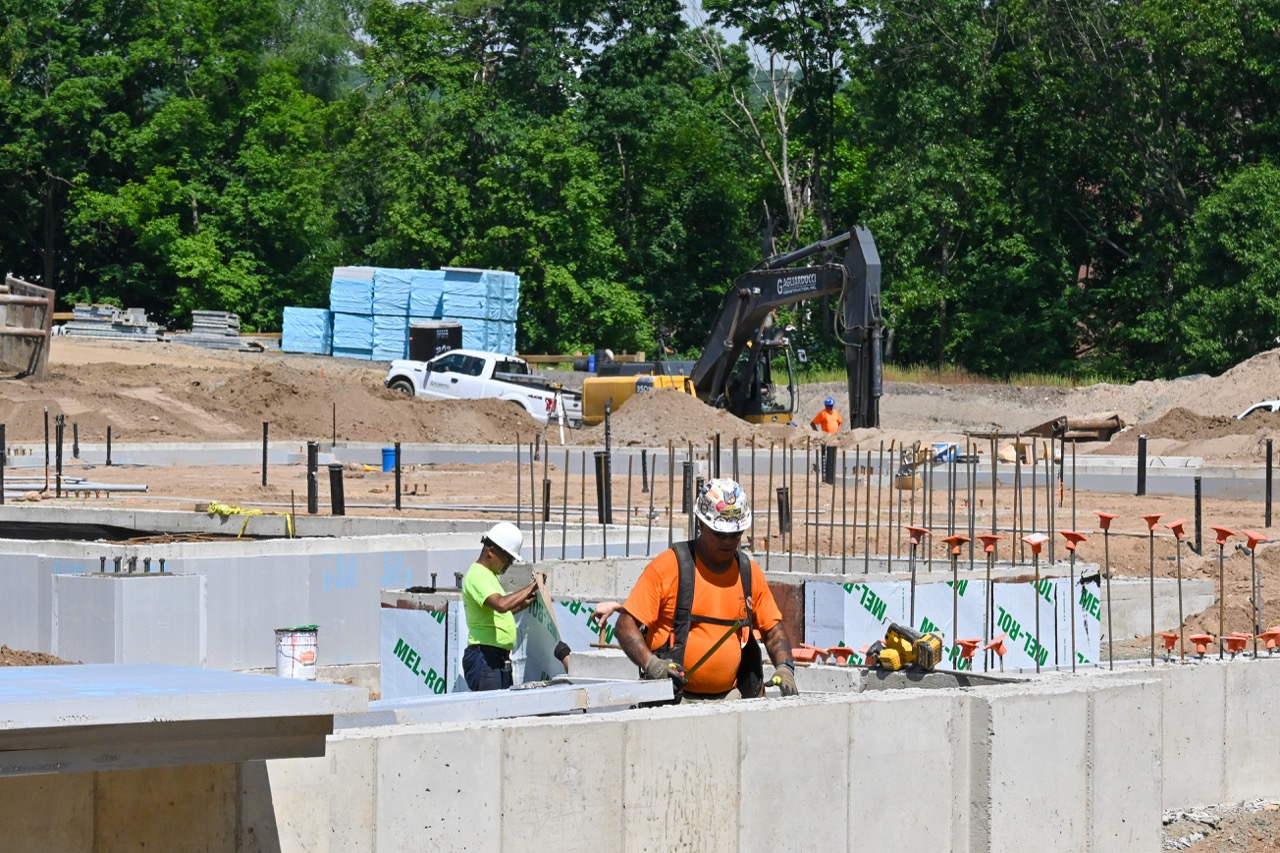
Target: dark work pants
(486, 668)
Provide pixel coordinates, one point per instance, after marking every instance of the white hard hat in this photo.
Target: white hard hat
(507, 538)
(723, 506)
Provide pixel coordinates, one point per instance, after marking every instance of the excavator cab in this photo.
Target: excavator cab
(762, 388)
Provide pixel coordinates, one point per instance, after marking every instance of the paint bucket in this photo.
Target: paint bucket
(296, 652)
(388, 459)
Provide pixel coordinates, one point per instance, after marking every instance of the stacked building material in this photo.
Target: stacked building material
(307, 330)
(372, 308)
(107, 321)
(215, 330)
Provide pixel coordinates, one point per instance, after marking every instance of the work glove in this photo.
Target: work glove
(785, 680)
(814, 427)
(657, 669)
(562, 650)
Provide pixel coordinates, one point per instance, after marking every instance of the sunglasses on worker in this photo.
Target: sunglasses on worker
(726, 535)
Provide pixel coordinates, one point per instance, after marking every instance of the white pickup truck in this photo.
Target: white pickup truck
(465, 374)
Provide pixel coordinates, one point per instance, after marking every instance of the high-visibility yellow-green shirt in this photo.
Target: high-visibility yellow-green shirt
(486, 626)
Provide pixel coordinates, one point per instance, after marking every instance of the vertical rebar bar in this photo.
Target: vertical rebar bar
(844, 511)
(265, 427)
(808, 465)
(264, 430)
(648, 535)
(1035, 487)
(1018, 526)
(626, 550)
(564, 508)
(533, 504)
(866, 533)
(546, 497)
(582, 508)
(519, 487)
(1048, 498)
(995, 479)
(768, 524)
(789, 475)
(397, 477)
(879, 486)
(671, 493)
(1073, 485)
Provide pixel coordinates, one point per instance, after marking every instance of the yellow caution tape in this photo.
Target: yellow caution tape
(218, 508)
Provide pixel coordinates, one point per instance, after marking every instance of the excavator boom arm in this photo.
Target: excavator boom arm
(753, 296)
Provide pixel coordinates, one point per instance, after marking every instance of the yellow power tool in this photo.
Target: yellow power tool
(906, 648)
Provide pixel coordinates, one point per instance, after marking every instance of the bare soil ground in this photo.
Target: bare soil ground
(176, 393)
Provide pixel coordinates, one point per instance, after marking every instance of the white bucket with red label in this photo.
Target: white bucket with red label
(296, 652)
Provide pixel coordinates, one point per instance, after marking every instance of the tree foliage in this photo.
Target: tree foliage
(1052, 184)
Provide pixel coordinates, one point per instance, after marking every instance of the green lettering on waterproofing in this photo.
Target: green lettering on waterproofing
(407, 655)
(958, 662)
(1009, 625)
(1045, 589)
(926, 626)
(872, 603)
(1089, 603)
(960, 587)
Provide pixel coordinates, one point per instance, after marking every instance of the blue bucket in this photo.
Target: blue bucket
(388, 459)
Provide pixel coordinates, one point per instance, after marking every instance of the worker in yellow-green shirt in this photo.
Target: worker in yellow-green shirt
(491, 625)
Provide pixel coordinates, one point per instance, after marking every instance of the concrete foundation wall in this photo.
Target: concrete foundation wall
(1083, 763)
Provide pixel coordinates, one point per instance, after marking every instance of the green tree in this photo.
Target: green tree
(1231, 279)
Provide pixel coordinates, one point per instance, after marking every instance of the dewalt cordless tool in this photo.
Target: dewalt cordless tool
(906, 648)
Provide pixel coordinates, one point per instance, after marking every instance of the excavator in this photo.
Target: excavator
(747, 366)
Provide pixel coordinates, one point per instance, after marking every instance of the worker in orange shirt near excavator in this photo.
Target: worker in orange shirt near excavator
(827, 420)
(689, 616)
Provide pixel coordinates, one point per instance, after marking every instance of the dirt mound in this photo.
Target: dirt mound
(656, 417)
(17, 657)
(1185, 425)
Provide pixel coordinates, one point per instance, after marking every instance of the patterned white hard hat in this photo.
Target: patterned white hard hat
(724, 506)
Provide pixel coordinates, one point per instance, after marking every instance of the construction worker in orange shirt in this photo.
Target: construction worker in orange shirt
(697, 595)
(827, 420)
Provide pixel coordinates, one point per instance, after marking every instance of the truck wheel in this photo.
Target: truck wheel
(403, 386)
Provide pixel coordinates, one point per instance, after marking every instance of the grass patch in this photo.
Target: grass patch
(953, 375)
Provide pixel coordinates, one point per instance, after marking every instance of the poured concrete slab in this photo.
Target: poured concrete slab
(66, 719)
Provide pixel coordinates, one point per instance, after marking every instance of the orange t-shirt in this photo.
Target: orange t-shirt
(828, 420)
(653, 604)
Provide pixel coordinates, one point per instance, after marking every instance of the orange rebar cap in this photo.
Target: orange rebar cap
(1152, 519)
(1036, 541)
(917, 533)
(1073, 538)
(1105, 518)
(955, 542)
(1224, 533)
(989, 541)
(1201, 642)
(1254, 537)
(1176, 527)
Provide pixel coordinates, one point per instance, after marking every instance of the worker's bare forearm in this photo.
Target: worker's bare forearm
(776, 641)
(514, 602)
(629, 638)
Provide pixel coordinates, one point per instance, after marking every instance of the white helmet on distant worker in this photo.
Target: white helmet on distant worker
(507, 538)
(723, 507)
